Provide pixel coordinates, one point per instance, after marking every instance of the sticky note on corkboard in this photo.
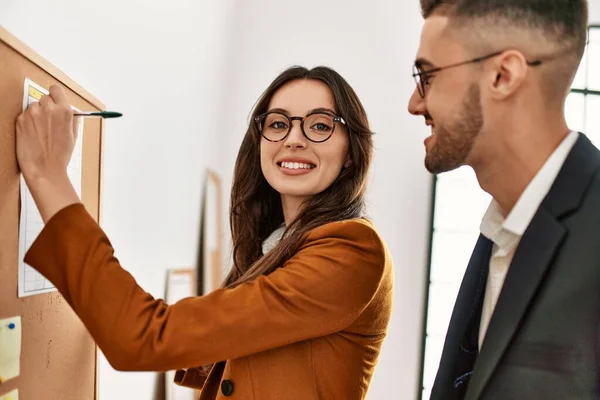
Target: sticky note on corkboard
(10, 348)
(14, 395)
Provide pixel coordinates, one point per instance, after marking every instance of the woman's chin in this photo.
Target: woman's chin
(297, 191)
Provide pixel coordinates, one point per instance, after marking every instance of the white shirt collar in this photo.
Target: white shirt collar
(273, 239)
(506, 232)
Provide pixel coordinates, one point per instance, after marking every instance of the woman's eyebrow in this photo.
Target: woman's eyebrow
(280, 110)
(322, 109)
(315, 110)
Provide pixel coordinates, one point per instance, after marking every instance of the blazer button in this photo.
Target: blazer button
(227, 387)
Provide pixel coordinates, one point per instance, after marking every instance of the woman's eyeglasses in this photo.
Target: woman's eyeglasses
(317, 126)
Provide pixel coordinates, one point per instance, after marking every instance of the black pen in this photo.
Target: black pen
(101, 114)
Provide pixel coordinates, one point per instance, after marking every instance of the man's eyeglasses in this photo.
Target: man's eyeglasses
(422, 77)
(317, 126)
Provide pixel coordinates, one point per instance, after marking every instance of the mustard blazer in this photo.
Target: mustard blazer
(312, 329)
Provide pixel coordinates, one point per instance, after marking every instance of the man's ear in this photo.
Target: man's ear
(509, 74)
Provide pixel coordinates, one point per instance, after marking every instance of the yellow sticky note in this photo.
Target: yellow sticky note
(14, 395)
(36, 94)
(10, 348)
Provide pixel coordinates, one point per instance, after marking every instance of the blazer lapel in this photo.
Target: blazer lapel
(531, 260)
(210, 390)
(533, 257)
(460, 348)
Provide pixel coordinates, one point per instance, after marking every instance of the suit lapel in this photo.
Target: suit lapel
(459, 350)
(210, 390)
(533, 257)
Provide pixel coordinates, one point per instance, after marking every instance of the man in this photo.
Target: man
(492, 79)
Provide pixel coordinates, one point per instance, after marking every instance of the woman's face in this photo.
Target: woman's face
(296, 167)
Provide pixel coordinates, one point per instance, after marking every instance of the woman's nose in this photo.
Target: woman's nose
(296, 138)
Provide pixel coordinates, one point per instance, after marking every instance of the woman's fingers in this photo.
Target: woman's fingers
(46, 135)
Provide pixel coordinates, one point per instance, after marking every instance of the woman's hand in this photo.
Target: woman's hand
(46, 136)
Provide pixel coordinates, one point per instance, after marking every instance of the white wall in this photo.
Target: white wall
(594, 6)
(157, 62)
(372, 44)
(186, 75)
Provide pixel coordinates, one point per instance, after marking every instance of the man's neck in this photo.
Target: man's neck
(507, 171)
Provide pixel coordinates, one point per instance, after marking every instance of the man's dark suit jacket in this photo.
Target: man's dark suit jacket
(543, 341)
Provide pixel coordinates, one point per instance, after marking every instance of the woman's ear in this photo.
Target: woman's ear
(348, 162)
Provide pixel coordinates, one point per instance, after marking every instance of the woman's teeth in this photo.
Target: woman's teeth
(295, 165)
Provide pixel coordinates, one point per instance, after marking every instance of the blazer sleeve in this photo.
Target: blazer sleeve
(321, 290)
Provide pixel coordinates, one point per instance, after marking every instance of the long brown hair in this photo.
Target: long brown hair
(255, 208)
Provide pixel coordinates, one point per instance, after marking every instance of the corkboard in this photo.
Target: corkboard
(58, 356)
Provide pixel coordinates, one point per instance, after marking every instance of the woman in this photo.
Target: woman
(305, 308)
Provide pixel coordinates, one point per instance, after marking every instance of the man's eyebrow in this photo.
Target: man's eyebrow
(423, 62)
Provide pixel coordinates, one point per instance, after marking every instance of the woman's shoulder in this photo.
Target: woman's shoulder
(355, 230)
(350, 242)
(357, 224)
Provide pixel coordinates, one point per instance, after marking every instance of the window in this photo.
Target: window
(459, 204)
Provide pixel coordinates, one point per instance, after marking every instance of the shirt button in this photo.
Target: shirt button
(227, 387)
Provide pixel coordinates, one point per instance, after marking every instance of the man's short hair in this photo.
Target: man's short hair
(562, 21)
(561, 24)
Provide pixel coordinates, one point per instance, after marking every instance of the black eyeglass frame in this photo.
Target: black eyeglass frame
(336, 119)
(417, 75)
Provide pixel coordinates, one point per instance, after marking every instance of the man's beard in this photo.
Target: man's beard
(453, 142)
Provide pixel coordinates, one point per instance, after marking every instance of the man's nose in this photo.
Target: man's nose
(416, 103)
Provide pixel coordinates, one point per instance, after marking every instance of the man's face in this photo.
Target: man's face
(451, 103)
